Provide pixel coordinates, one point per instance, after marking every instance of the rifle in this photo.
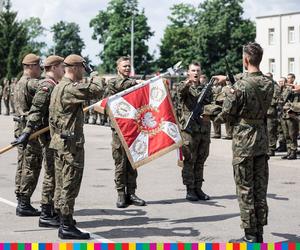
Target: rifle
(198, 110)
(229, 73)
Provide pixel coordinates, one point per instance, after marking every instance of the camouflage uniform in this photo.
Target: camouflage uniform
(281, 137)
(290, 124)
(30, 159)
(11, 96)
(196, 145)
(6, 94)
(272, 120)
(218, 100)
(247, 107)
(66, 121)
(125, 175)
(38, 117)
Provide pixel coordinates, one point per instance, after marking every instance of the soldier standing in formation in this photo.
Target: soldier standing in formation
(11, 96)
(6, 95)
(196, 144)
(125, 175)
(37, 118)
(29, 155)
(247, 105)
(66, 121)
(290, 123)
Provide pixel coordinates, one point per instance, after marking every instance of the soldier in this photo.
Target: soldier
(218, 100)
(6, 94)
(272, 118)
(196, 144)
(86, 104)
(282, 83)
(11, 96)
(92, 112)
(290, 123)
(125, 175)
(29, 155)
(37, 118)
(247, 106)
(66, 121)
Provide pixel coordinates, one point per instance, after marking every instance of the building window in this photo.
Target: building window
(271, 36)
(291, 34)
(272, 66)
(291, 65)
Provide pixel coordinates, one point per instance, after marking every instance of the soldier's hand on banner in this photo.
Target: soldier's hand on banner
(22, 139)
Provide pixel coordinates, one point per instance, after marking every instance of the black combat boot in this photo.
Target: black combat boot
(134, 200)
(121, 201)
(281, 148)
(285, 156)
(201, 195)
(191, 194)
(24, 208)
(67, 229)
(48, 218)
(292, 155)
(250, 236)
(271, 153)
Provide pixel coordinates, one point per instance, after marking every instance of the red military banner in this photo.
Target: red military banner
(145, 121)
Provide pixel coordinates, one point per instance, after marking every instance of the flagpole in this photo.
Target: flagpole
(132, 73)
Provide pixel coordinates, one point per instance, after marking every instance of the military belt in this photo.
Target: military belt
(251, 121)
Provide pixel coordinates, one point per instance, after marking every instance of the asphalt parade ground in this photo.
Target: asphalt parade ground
(168, 217)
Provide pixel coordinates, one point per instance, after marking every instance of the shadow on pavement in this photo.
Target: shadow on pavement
(133, 221)
(210, 218)
(140, 232)
(288, 237)
(174, 201)
(90, 212)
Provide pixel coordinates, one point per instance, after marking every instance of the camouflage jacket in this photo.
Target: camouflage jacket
(24, 92)
(273, 109)
(66, 116)
(38, 114)
(289, 98)
(188, 96)
(247, 106)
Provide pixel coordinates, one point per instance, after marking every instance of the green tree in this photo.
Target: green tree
(177, 43)
(13, 42)
(66, 39)
(221, 31)
(35, 31)
(112, 30)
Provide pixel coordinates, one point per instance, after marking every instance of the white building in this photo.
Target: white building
(1, 4)
(279, 35)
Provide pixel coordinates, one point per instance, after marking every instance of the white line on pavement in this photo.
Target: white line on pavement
(94, 237)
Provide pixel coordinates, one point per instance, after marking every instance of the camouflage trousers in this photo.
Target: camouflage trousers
(125, 175)
(251, 175)
(6, 104)
(195, 152)
(272, 126)
(229, 129)
(48, 185)
(29, 164)
(281, 138)
(68, 176)
(217, 128)
(290, 129)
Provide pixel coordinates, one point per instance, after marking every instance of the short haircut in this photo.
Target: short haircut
(292, 75)
(254, 52)
(122, 59)
(194, 64)
(284, 79)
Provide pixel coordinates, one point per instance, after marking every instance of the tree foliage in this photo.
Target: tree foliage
(13, 42)
(207, 34)
(112, 29)
(66, 39)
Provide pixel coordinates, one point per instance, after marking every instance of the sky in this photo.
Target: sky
(82, 11)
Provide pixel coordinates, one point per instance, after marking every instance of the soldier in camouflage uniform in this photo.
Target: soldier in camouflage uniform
(217, 95)
(290, 123)
(247, 106)
(125, 175)
(66, 121)
(6, 95)
(272, 118)
(37, 118)
(29, 155)
(196, 144)
(11, 96)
